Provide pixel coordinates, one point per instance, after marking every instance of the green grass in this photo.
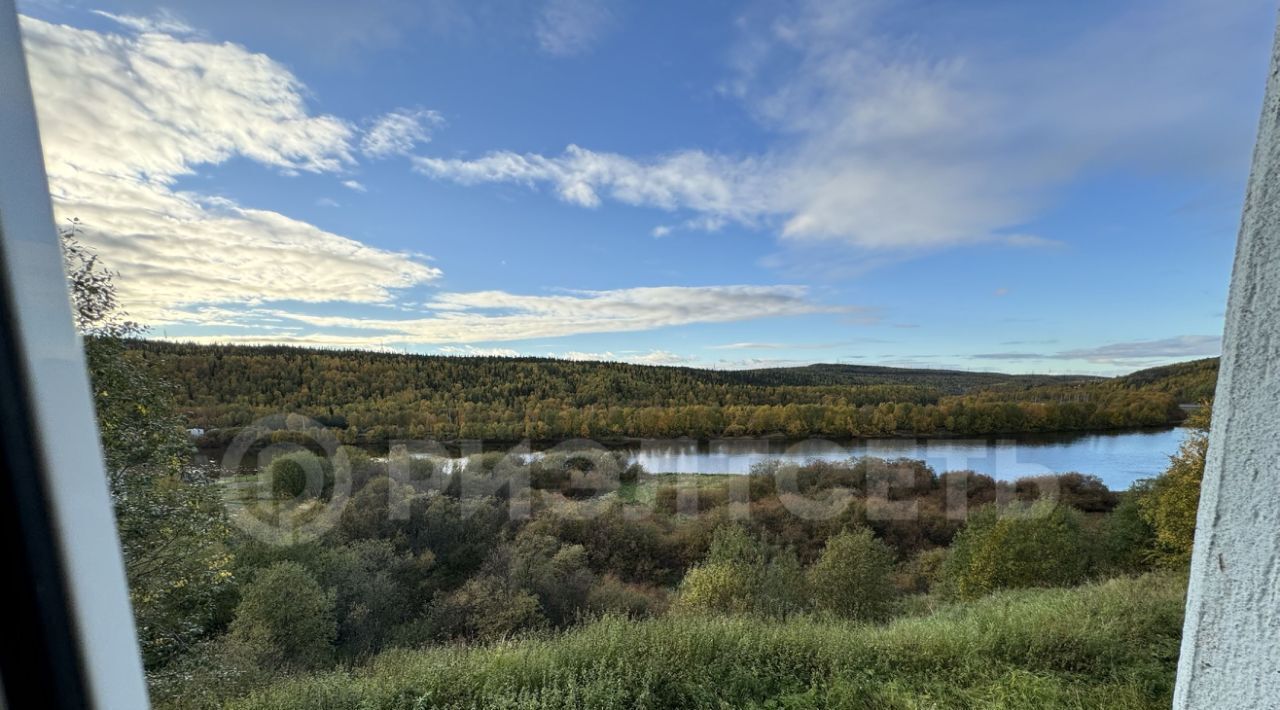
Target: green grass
(1110, 645)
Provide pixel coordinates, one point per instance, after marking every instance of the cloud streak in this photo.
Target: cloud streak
(887, 144)
(1181, 347)
(495, 316)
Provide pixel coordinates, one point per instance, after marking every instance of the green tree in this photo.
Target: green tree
(285, 619)
(1172, 500)
(851, 578)
(171, 519)
(299, 473)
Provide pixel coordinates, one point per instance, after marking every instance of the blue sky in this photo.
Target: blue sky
(989, 185)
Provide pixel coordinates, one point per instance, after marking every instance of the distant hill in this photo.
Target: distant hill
(369, 396)
(1188, 382)
(946, 381)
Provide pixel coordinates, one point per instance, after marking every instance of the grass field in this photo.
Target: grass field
(1108, 645)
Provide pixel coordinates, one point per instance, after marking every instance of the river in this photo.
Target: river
(1118, 458)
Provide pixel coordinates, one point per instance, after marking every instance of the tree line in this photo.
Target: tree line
(369, 397)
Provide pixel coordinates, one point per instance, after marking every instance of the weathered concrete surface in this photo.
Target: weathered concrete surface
(1231, 637)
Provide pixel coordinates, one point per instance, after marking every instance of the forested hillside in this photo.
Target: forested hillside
(372, 397)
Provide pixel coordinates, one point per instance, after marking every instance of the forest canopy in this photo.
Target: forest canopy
(368, 397)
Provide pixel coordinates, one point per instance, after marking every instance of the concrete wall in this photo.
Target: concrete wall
(1231, 637)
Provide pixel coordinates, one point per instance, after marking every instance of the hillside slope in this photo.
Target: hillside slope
(372, 397)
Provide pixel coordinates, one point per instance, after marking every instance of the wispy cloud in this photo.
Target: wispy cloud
(778, 346)
(652, 357)
(164, 22)
(354, 185)
(399, 132)
(472, 351)
(1179, 347)
(122, 117)
(492, 316)
(895, 145)
(568, 27)
(1182, 346)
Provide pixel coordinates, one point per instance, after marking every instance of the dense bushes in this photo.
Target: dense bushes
(285, 619)
(1106, 646)
(1043, 544)
(742, 575)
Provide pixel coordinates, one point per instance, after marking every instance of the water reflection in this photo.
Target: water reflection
(1119, 459)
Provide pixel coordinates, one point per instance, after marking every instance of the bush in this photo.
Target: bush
(743, 575)
(300, 473)
(614, 596)
(285, 619)
(920, 573)
(556, 574)
(483, 609)
(1170, 503)
(1085, 493)
(1126, 541)
(851, 578)
(1039, 545)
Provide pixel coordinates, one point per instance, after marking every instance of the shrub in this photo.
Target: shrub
(851, 578)
(614, 596)
(483, 609)
(1085, 493)
(377, 511)
(1037, 545)
(554, 573)
(1126, 541)
(300, 473)
(1172, 500)
(743, 575)
(285, 619)
(920, 573)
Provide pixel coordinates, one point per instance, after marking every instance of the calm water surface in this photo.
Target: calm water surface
(1118, 459)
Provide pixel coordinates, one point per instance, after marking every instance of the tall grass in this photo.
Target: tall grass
(1109, 645)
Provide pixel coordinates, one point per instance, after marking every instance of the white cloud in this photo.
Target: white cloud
(567, 27)
(778, 346)
(1183, 346)
(314, 340)
(122, 117)
(728, 189)
(472, 351)
(164, 22)
(493, 316)
(652, 357)
(882, 143)
(354, 185)
(1128, 352)
(399, 131)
